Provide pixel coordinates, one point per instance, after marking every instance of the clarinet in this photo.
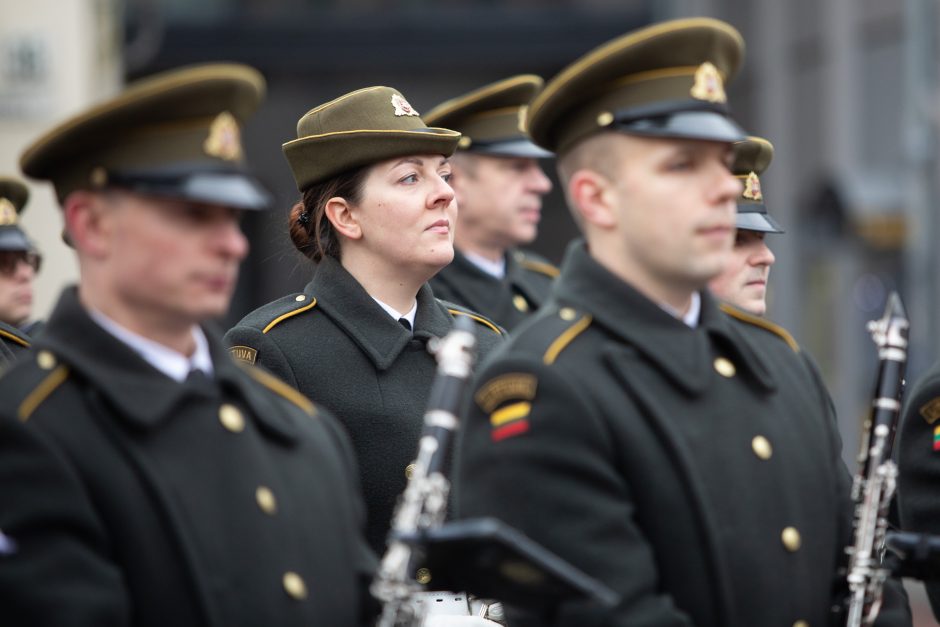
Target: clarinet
(423, 504)
(875, 481)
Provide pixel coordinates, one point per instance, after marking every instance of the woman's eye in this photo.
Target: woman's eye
(411, 178)
(447, 176)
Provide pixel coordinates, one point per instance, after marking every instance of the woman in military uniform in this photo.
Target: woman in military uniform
(377, 217)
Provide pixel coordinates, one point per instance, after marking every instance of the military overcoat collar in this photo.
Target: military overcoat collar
(341, 297)
(682, 353)
(141, 394)
(480, 290)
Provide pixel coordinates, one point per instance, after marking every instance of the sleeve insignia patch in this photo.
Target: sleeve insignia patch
(931, 411)
(512, 386)
(246, 354)
(936, 439)
(510, 420)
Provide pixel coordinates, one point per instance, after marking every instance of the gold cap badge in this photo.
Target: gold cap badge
(523, 111)
(708, 84)
(7, 213)
(402, 107)
(752, 188)
(224, 139)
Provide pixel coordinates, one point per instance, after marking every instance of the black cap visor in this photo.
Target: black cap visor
(750, 220)
(234, 189)
(518, 147)
(680, 120)
(13, 238)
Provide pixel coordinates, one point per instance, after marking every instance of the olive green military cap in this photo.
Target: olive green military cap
(360, 128)
(491, 119)
(666, 80)
(13, 197)
(175, 134)
(751, 157)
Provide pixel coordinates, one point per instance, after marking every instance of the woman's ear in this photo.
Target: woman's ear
(341, 216)
(593, 197)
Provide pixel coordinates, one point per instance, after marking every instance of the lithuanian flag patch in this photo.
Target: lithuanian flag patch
(510, 420)
(936, 439)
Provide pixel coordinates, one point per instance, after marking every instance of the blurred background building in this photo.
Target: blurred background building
(847, 90)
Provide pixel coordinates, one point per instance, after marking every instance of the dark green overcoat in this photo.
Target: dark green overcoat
(695, 471)
(507, 301)
(13, 342)
(336, 345)
(135, 500)
(919, 464)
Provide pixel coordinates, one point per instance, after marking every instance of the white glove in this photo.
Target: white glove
(444, 620)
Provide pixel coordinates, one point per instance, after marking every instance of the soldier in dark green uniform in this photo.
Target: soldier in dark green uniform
(148, 479)
(19, 262)
(499, 185)
(743, 282)
(683, 454)
(918, 497)
(377, 216)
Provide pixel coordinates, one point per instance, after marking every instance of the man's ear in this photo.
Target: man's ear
(88, 222)
(341, 216)
(593, 197)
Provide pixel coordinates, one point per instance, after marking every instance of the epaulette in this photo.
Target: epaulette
(542, 267)
(762, 323)
(14, 335)
(560, 329)
(288, 308)
(457, 310)
(281, 389)
(55, 375)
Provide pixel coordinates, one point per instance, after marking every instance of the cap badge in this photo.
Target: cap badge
(523, 111)
(708, 84)
(224, 139)
(401, 106)
(752, 188)
(7, 212)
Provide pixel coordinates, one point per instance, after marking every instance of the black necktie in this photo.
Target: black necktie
(404, 322)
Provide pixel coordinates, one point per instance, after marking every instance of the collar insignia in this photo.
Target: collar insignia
(224, 139)
(7, 213)
(752, 188)
(708, 84)
(401, 106)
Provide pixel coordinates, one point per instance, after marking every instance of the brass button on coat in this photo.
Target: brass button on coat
(423, 576)
(295, 586)
(791, 539)
(46, 360)
(724, 367)
(300, 298)
(409, 470)
(231, 418)
(801, 623)
(520, 302)
(266, 501)
(762, 447)
(567, 313)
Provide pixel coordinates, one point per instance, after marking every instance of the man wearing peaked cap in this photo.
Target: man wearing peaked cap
(499, 186)
(19, 262)
(683, 454)
(743, 283)
(148, 479)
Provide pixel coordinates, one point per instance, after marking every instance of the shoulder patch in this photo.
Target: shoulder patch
(14, 338)
(777, 330)
(573, 324)
(476, 318)
(289, 314)
(511, 386)
(246, 354)
(542, 267)
(930, 411)
(41, 392)
(282, 389)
